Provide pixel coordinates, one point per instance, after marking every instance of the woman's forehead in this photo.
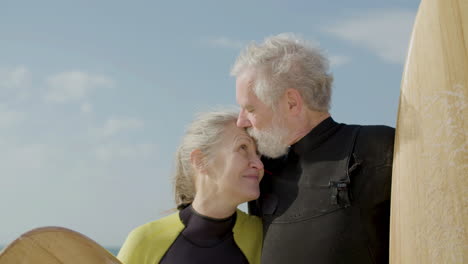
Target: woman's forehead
(234, 133)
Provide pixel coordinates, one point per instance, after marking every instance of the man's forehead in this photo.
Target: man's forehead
(246, 78)
(250, 84)
(244, 91)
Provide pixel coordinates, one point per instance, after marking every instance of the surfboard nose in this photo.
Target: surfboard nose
(55, 245)
(429, 203)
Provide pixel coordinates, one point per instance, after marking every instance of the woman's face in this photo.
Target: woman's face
(236, 166)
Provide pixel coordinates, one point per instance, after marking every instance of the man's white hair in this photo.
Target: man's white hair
(287, 61)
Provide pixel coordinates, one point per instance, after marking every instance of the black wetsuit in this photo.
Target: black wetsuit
(204, 240)
(328, 200)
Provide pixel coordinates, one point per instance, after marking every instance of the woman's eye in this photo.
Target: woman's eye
(244, 147)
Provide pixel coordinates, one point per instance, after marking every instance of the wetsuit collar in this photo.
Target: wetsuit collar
(205, 231)
(316, 136)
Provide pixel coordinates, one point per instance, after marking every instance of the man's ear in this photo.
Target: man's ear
(294, 101)
(196, 159)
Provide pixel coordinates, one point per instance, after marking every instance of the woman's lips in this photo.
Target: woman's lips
(252, 176)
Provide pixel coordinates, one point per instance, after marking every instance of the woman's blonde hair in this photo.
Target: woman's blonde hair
(203, 134)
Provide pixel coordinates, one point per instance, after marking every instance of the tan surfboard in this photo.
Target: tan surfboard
(55, 245)
(429, 214)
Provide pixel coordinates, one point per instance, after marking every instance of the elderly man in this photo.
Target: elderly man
(327, 196)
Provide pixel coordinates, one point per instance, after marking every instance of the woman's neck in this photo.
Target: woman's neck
(213, 208)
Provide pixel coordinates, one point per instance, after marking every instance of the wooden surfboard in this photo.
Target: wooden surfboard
(55, 245)
(430, 172)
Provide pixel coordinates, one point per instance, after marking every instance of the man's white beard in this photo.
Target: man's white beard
(271, 141)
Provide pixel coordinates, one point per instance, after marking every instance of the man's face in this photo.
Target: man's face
(254, 113)
(267, 127)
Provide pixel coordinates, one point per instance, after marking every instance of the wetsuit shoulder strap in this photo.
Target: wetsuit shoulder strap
(248, 235)
(151, 241)
(339, 182)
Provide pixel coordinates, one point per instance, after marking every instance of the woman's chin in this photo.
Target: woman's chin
(247, 194)
(252, 195)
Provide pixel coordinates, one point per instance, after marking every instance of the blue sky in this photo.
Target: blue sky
(95, 95)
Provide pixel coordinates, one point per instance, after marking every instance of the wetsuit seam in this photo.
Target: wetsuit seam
(368, 244)
(309, 218)
(224, 239)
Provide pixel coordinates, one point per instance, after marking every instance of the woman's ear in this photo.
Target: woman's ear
(196, 158)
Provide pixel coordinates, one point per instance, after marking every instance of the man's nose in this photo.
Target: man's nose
(242, 120)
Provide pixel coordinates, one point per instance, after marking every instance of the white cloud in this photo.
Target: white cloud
(339, 60)
(225, 42)
(114, 126)
(112, 152)
(384, 32)
(22, 158)
(14, 78)
(73, 85)
(86, 108)
(9, 118)
(14, 84)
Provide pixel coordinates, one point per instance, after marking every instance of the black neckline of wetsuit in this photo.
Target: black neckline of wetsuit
(204, 231)
(316, 136)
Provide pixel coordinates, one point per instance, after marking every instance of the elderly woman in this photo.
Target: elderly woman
(217, 169)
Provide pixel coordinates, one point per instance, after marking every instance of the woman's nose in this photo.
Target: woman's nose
(257, 163)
